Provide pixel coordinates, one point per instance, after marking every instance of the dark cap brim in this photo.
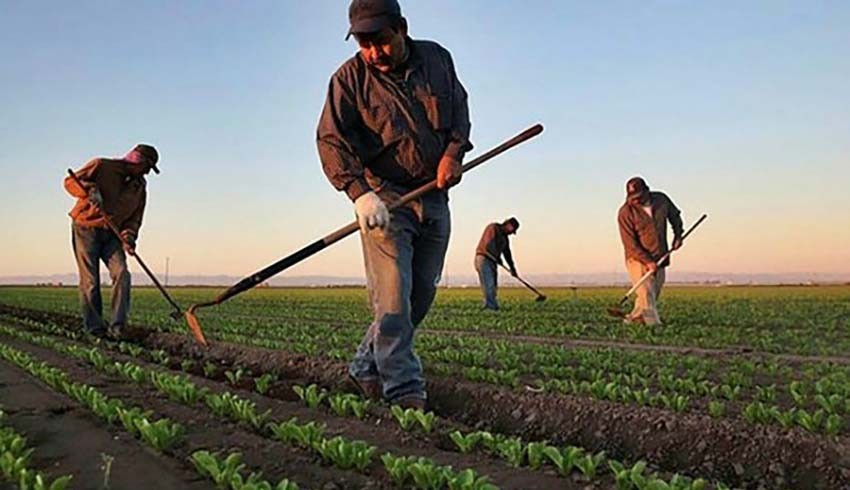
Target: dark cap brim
(155, 169)
(370, 25)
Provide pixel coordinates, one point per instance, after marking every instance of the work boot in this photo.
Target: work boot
(413, 402)
(369, 388)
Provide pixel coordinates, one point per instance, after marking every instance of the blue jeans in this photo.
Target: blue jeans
(91, 245)
(488, 279)
(403, 267)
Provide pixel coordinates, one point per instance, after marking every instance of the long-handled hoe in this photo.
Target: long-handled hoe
(319, 245)
(617, 311)
(178, 312)
(540, 296)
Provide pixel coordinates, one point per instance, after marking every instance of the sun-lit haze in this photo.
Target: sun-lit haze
(737, 109)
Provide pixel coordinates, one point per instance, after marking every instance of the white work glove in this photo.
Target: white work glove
(371, 212)
(95, 197)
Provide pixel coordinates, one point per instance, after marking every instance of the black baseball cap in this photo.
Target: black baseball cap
(367, 16)
(635, 187)
(150, 153)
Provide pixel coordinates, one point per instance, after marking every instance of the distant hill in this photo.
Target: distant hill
(599, 279)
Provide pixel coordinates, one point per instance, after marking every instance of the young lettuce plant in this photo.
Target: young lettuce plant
(465, 443)
(308, 435)
(210, 369)
(161, 435)
(468, 479)
(534, 451)
(264, 382)
(220, 472)
(406, 418)
(345, 454)
(589, 463)
(512, 450)
(234, 377)
(564, 460)
(427, 475)
(311, 395)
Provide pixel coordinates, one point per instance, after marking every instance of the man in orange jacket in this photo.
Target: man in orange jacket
(116, 187)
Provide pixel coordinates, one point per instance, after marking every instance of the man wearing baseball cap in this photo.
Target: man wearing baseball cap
(643, 229)
(494, 244)
(395, 117)
(115, 186)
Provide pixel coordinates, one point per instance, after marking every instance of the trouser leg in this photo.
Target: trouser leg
(488, 278)
(116, 262)
(644, 308)
(86, 245)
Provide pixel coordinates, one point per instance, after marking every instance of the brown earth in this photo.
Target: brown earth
(206, 431)
(70, 440)
(730, 450)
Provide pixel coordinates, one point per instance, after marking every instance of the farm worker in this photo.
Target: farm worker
(643, 229)
(492, 246)
(116, 186)
(395, 118)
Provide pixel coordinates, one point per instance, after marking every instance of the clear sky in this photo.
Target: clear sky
(737, 109)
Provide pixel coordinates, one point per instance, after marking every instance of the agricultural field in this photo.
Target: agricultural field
(742, 387)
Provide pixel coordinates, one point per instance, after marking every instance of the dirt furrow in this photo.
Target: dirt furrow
(383, 433)
(68, 439)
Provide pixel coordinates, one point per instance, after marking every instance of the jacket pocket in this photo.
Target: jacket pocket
(439, 109)
(383, 120)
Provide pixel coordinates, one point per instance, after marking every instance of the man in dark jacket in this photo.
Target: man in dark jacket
(117, 187)
(395, 117)
(643, 229)
(493, 245)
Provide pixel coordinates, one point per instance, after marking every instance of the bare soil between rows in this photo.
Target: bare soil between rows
(730, 450)
(70, 440)
(206, 431)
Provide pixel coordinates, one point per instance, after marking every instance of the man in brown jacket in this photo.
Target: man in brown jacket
(395, 118)
(643, 229)
(493, 245)
(117, 187)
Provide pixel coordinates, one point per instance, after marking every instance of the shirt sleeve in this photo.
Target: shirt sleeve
(87, 175)
(509, 258)
(459, 142)
(674, 216)
(337, 140)
(134, 222)
(630, 239)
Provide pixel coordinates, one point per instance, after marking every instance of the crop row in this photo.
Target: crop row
(161, 435)
(354, 455)
(341, 452)
(819, 401)
(15, 462)
(795, 320)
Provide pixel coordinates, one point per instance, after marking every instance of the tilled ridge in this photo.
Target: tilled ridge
(728, 450)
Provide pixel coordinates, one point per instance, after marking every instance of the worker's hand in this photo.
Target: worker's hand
(128, 242)
(95, 198)
(651, 267)
(371, 212)
(514, 272)
(676, 244)
(449, 172)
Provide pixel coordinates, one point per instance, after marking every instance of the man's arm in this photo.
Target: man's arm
(337, 140)
(674, 216)
(509, 259)
(459, 142)
(87, 176)
(131, 226)
(630, 240)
